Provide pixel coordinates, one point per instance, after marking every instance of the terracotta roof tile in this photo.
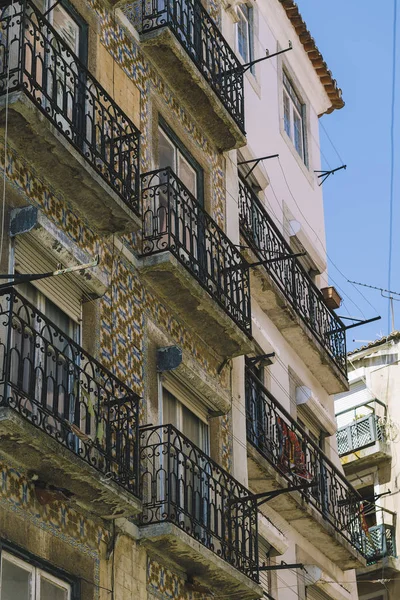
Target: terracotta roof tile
(333, 92)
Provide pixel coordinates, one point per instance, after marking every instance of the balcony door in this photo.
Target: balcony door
(189, 484)
(179, 212)
(44, 364)
(65, 79)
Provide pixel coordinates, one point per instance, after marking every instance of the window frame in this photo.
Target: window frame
(176, 141)
(36, 565)
(249, 20)
(83, 51)
(293, 103)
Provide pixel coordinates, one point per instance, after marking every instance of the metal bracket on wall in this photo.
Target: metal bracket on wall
(26, 278)
(346, 327)
(256, 161)
(283, 565)
(263, 262)
(325, 174)
(246, 66)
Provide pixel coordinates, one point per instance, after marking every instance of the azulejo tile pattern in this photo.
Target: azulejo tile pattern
(163, 584)
(124, 306)
(17, 493)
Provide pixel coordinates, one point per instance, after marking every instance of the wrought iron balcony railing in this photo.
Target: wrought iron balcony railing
(174, 220)
(294, 455)
(182, 485)
(361, 433)
(37, 62)
(380, 539)
(267, 242)
(202, 40)
(51, 381)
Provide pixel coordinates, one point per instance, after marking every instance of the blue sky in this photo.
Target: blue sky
(355, 38)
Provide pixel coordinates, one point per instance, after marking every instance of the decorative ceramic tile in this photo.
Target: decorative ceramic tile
(164, 584)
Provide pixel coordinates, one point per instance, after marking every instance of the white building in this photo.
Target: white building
(368, 433)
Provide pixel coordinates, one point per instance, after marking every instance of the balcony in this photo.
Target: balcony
(63, 416)
(281, 453)
(380, 539)
(186, 45)
(362, 441)
(196, 515)
(65, 122)
(193, 265)
(289, 297)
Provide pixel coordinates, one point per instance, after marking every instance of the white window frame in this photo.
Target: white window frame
(249, 30)
(294, 109)
(36, 574)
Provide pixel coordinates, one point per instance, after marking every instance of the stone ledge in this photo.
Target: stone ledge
(194, 91)
(55, 464)
(202, 313)
(177, 549)
(57, 161)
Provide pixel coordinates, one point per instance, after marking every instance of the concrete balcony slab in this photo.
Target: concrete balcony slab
(176, 548)
(56, 465)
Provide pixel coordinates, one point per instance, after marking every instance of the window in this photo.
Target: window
(294, 117)
(245, 33)
(172, 153)
(176, 413)
(23, 580)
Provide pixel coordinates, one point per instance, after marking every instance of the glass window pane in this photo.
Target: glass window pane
(187, 175)
(297, 130)
(286, 113)
(166, 152)
(51, 591)
(16, 582)
(243, 34)
(169, 409)
(66, 27)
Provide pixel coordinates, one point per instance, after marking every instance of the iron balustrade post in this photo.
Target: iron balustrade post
(169, 473)
(7, 349)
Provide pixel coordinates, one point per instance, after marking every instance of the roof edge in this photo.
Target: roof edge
(332, 90)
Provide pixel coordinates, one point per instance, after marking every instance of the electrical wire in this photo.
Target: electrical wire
(392, 155)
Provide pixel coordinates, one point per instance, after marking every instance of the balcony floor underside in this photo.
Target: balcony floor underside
(176, 547)
(57, 161)
(176, 285)
(178, 68)
(39, 454)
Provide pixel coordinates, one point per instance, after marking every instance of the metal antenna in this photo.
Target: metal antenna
(390, 297)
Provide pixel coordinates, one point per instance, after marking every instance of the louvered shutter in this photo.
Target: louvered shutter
(62, 290)
(313, 593)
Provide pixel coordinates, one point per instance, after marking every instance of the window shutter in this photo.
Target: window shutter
(63, 290)
(186, 397)
(313, 593)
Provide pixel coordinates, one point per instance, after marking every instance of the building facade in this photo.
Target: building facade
(167, 422)
(368, 434)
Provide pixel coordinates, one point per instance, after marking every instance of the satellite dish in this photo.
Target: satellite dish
(294, 227)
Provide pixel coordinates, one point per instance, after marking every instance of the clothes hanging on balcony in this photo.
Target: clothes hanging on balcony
(291, 456)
